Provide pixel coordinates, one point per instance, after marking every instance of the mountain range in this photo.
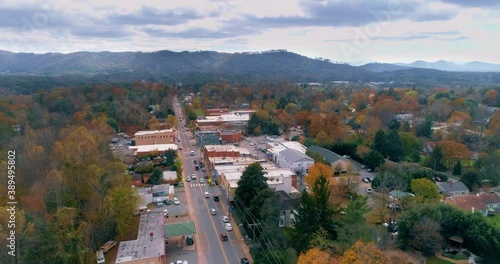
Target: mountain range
(475, 66)
(206, 66)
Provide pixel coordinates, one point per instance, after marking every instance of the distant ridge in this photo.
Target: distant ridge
(198, 67)
(474, 66)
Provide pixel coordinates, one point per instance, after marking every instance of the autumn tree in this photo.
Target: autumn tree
(153, 123)
(364, 253)
(171, 121)
(453, 151)
(314, 256)
(316, 170)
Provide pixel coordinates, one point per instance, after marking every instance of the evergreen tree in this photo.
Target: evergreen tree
(394, 146)
(252, 181)
(374, 159)
(424, 129)
(156, 177)
(457, 169)
(379, 142)
(436, 160)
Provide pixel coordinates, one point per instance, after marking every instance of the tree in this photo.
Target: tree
(154, 124)
(379, 143)
(156, 177)
(425, 236)
(453, 151)
(171, 121)
(252, 181)
(425, 191)
(317, 170)
(411, 144)
(374, 159)
(122, 201)
(457, 169)
(435, 160)
(314, 256)
(394, 146)
(471, 179)
(424, 129)
(313, 211)
(364, 253)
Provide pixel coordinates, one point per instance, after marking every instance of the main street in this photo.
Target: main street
(210, 247)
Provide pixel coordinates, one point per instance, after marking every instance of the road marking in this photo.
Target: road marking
(208, 243)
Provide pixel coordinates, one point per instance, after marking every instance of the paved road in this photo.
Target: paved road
(210, 248)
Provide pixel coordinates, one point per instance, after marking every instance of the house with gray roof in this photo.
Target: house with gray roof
(451, 189)
(294, 160)
(334, 159)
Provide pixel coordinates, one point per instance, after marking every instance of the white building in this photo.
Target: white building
(294, 160)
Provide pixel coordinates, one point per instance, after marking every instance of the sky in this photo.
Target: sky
(352, 31)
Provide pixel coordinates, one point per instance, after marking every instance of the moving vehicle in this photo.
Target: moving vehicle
(179, 262)
(100, 257)
(188, 178)
(223, 237)
(108, 246)
(228, 227)
(216, 197)
(191, 153)
(225, 219)
(202, 180)
(206, 194)
(212, 211)
(193, 176)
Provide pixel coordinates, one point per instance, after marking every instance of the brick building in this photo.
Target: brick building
(152, 137)
(230, 136)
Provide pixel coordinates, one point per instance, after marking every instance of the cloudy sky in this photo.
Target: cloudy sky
(339, 30)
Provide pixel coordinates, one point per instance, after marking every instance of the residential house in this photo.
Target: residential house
(469, 203)
(452, 189)
(492, 201)
(294, 160)
(287, 206)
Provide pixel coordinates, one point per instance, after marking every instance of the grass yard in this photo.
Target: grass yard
(436, 260)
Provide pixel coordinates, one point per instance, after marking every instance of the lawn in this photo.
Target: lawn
(436, 260)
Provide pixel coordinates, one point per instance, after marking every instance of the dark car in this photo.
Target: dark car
(223, 237)
(189, 240)
(244, 261)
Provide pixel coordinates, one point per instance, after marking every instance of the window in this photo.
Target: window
(282, 221)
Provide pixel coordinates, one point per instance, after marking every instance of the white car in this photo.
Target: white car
(212, 211)
(165, 212)
(176, 201)
(228, 227)
(206, 194)
(188, 178)
(179, 262)
(225, 219)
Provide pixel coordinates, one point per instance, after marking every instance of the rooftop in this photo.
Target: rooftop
(328, 155)
(225, 118)
(148, 148)
(151, 132)
(294, 145)
(490, 198)
(294, 155)
(467, 202)
(150, 241)
(452, 186)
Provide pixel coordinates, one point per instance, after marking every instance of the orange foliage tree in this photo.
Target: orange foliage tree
(315, 255)
(364, 253)
(316, 170)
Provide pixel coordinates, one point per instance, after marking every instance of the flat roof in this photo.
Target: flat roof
(225, 118)
(150, 242)
(151, 132)
(294, 145)
(227, 148)
(158, 147)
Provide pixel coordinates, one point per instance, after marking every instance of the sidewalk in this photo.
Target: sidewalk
(236, 230)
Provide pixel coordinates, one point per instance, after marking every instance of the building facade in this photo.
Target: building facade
(152, 137)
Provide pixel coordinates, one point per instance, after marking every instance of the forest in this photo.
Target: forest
(75, 196)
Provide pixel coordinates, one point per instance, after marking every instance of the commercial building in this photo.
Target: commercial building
(230, 120)
(149, 247)
(152, 150)
(230, 136)
(294, 160)
(152, 137)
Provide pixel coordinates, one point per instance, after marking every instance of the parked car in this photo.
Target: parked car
(369, 190)
(189, 240)
(176, 201)
(108, 246)
(206, 194)
(225, 219)
(366, 179)
(179, 262)
(188, 178)
(167, 202)
(202, 180)
(193, 176)
(212, 211)
(228, 227)
(100, 257)
(165, 212)
(244, 261)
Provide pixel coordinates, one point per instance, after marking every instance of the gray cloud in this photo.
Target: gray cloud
(474, 3)
(154, 16)
(27, 18)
